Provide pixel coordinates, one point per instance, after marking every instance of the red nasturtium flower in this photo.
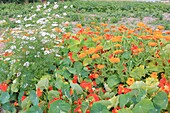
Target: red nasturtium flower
(39, 92)
(84, 48)
(93, 75)
(76, 38)
(95, 98)
(15, 103)
(23, 98)
(6, 54)
(164, 85)
(122, 90)
(3, 87)
(86, 85)
(75, 78)
(70, 55)
(169, 61)
(50, 88)
(78, 108)
(108, 36)
(115, 110)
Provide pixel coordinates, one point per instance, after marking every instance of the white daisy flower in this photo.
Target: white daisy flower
(26, 64)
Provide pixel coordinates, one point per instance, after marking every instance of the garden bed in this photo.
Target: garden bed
(57, 61)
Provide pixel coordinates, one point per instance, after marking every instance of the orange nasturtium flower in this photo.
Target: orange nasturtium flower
(97, 28)
(152, 44)
(93, 23)
(167, 38)
(79, 25)
(117, 52)
(100, 66)
(130, 81)
(95, 56)
(169, 97)
(117, 39)
(160, 27)
(117, 45)
(154, 75)
(99, 47)
(141, 24)
(58, 29)
(95, 39)
(114, 60)
(82, 55)
(106, 30)
(103, 24)
(91, 50)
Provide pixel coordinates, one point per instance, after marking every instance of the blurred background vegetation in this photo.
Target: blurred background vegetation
(30, 1)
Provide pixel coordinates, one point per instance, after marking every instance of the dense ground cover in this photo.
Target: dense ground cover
(50, 65)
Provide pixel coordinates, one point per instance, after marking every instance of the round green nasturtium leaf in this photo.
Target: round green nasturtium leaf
(26, 103)
(4, 97)
(144, 106)
(52, 94)
(161, 100)
(59, 106)
(138, 72)
(9, 107)
(125, 110)
(43, 83)
(84, 106)
(104, 102)
(34, 98)
(76, 87)
(137, 85)
(87, 61)
(34, 109)
(15, 85)
(113, 80)
(78, 66)
(99, 108)
(124, 99)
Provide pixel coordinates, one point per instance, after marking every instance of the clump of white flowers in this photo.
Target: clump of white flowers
(34, 43)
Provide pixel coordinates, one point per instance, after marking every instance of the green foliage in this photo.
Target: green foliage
(59, 106)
